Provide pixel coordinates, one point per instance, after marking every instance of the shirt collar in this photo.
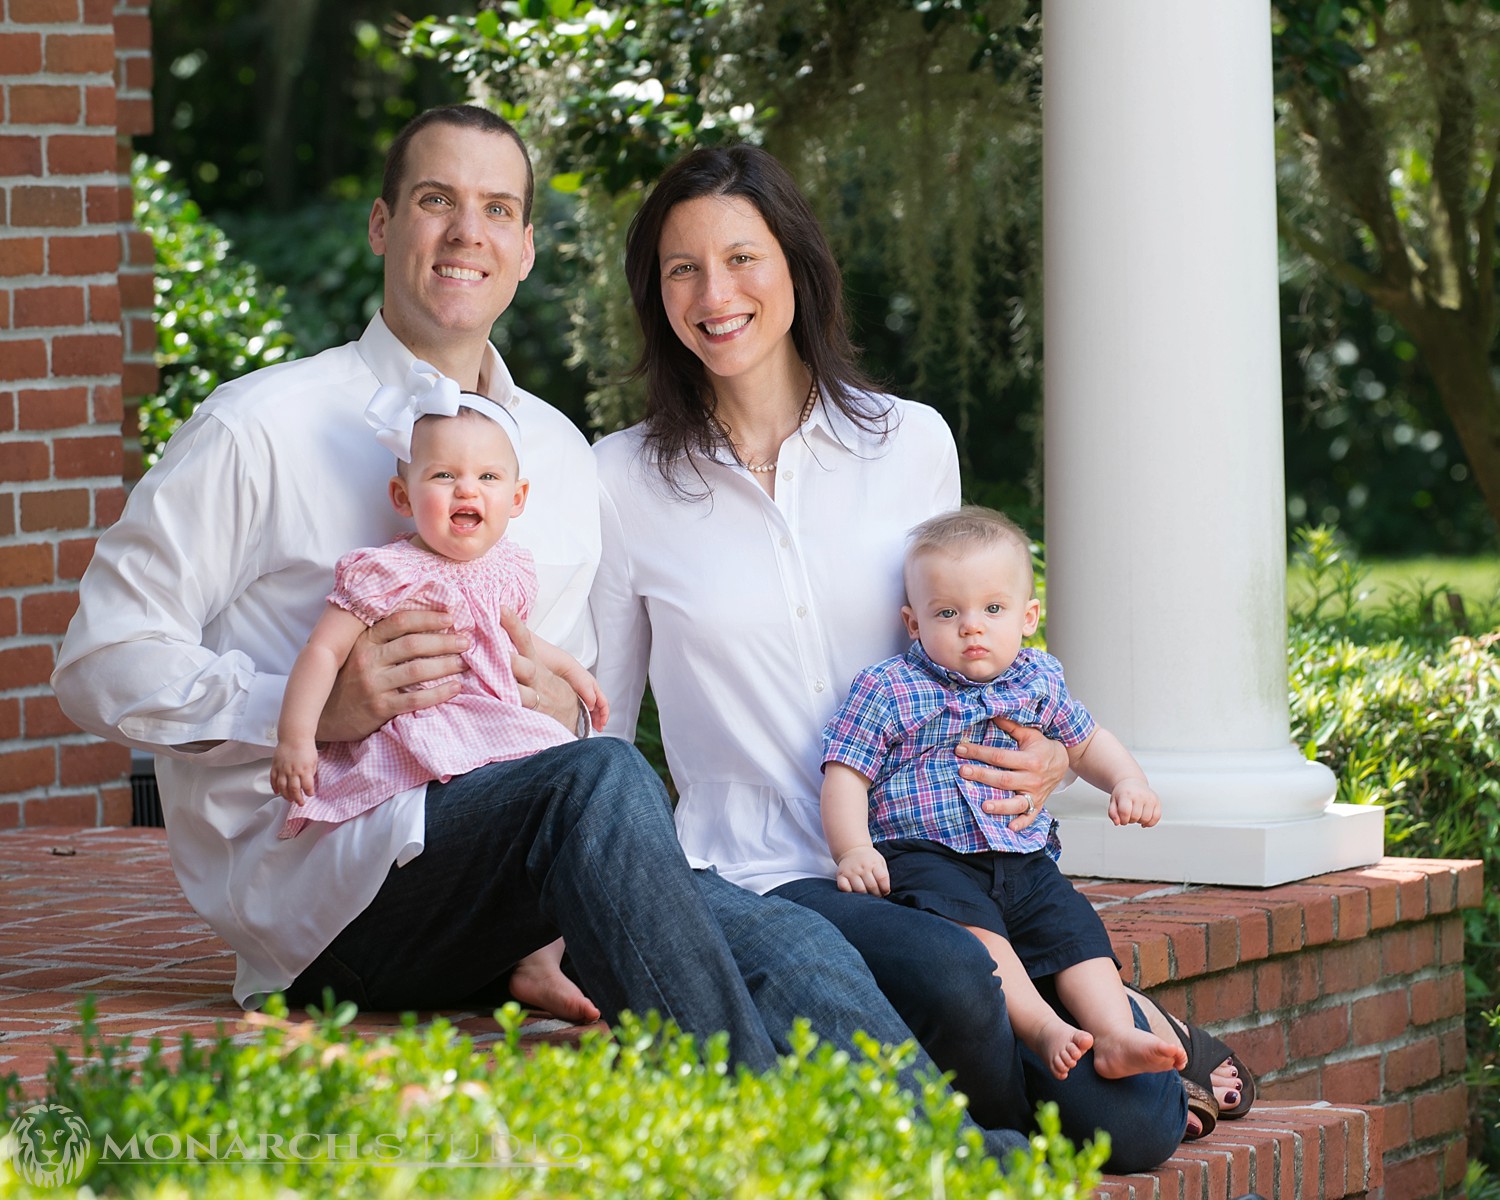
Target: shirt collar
(831, 423)
(918, 658)
(389, 359)
(833, 427)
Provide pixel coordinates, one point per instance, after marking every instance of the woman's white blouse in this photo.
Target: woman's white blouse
(753, 614)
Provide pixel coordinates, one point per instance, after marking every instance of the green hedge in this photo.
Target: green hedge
(644, 1112)
(216, 318)
(1405, 708)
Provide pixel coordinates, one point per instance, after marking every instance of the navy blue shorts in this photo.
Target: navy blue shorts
(1022, 897)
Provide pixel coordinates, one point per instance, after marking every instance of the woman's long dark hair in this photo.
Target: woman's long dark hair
(679, 397)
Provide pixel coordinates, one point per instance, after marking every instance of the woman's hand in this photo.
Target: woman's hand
(1032, 771)
(540, 688)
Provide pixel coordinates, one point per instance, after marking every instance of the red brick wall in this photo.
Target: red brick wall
(1347, 988)
(75, 78)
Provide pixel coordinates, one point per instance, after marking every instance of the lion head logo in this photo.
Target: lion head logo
(49, 1145)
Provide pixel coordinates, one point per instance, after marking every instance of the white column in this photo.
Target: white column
(1166, 566)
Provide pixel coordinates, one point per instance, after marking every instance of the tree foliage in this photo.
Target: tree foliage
(216, 317)
(267, 103)
(1390, 142)
(913, 125)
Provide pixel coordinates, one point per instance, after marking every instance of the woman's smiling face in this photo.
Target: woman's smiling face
(725, 285)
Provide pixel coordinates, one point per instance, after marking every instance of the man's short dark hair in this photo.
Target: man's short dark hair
(464, 116)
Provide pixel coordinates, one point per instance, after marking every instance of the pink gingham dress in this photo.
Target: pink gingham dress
(484, 723)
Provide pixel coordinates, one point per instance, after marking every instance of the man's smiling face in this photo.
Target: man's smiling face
(455, 241)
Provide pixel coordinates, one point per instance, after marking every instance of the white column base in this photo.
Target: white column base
(1240, 855)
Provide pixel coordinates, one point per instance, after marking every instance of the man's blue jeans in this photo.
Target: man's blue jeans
(579, 839)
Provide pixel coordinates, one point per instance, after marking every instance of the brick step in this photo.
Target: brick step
(1311, 1151)
(1347, 988)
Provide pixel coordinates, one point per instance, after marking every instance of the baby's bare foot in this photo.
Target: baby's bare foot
(538, 982)
(1135, 1052)
(1060, 1046)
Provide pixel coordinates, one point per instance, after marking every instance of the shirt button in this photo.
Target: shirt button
(785, 541)
(786, 474)
(802, 610)
(819, 686)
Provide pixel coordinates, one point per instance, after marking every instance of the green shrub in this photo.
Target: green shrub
(215, 318)
(320, 254)
(1407, 714)
(646, 1112)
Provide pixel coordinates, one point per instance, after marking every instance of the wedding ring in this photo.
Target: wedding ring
(1030, 803)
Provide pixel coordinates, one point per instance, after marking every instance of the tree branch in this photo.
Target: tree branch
(1452, 152)
(1484, 250)
(1383, 292)
(1352, 158)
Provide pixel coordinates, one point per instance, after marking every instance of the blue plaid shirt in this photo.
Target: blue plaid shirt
(898, 728)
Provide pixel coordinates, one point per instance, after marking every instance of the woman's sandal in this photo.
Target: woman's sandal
(1202, 1105)
(1204, 1053)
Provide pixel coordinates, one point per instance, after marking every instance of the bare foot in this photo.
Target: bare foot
(538, 982)
(1133, 1051)
(1226, 1081)
(1060, 1046)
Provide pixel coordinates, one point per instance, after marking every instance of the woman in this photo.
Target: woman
(753, 527)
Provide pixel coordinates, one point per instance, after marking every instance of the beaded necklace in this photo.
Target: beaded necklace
(766, 468)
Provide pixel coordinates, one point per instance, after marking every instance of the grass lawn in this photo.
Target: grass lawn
(1477, 580)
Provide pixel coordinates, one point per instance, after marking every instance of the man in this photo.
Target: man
(196, 604)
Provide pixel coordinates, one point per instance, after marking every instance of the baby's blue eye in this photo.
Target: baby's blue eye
(947, 614)
(992, 608)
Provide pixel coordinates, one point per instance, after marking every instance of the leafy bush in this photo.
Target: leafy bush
(215, 318)
(644, 1113)
(320, 259)
(1407, 713)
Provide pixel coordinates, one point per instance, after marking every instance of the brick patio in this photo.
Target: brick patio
(99, 911)
(1343, 993)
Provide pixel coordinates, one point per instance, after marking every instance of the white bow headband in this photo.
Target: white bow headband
(393, 411)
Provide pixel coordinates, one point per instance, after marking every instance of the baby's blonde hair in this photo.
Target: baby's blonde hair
(971, 526)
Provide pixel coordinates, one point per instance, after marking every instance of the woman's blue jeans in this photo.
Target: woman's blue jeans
(941, 981)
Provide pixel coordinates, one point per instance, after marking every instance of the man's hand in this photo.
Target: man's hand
(1031, 771)
(863, 869)
(1134, 803)
(540, 688)
(405, 648)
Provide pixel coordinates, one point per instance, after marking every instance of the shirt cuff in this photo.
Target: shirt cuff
(263, 709)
